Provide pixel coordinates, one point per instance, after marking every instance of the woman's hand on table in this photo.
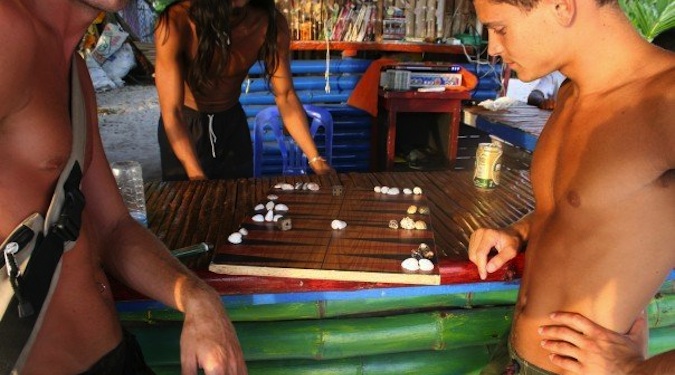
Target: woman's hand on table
(320, 166)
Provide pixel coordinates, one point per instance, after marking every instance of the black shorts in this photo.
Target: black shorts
(227, 152)
(125, 359)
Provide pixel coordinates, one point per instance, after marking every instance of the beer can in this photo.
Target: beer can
(488, 165)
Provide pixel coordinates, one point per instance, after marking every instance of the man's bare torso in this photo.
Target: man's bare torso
(249, 26)
(35, 143)
(602, 234)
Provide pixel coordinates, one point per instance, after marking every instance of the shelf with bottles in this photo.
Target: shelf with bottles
(386, 46)
(384, 25)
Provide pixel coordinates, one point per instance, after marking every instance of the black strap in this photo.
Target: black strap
(33, 286)
(15, 330)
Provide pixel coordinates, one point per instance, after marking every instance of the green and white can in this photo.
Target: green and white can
(488, 165)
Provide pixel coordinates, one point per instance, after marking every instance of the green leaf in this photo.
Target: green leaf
(650, 17)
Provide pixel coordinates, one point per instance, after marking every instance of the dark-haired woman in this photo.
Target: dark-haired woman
(205, 49)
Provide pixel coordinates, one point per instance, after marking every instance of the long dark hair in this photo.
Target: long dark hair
(211, 19)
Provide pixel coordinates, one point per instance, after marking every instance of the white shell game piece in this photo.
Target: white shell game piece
(272, 197)
(411, 210)
(298, 185)
(313, 186)
(407, 191)
(269, 215)
(425, 264)
(417, 190)
(394, 191)
(407, 223)
(377, 189)
(286, 186)
(258, 218)
(338, 224)
(410, 264)
(234, 238)
(259, 207)
(280, 207)
(269, 205)
(384, 189)
(243, 231)
(393, 224)
(277, 217)
(420, 224)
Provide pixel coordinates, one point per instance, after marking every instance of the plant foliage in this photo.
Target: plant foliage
(650, 17)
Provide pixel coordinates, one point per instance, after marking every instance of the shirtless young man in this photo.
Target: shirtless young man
(203, 132)
(600, 240)
(38, 40)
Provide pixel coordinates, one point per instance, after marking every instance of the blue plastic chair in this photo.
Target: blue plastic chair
(294, 161)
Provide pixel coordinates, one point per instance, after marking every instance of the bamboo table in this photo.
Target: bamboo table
(186, 213)
(308, 326)
(519, 124)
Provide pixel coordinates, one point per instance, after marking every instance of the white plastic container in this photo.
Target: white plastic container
(129, 178)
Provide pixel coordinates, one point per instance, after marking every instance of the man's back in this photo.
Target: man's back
(601, 239)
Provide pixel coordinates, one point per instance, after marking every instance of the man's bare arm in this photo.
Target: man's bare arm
(290, 107)
(137, 258)
(169, 80)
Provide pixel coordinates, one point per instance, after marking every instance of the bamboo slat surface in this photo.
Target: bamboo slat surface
(523, 116)
(189, 212)
(366, 250)
(521, 124)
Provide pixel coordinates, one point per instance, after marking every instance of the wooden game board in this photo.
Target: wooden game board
(366, 250)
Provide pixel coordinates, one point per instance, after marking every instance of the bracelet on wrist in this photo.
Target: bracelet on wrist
(315, 159)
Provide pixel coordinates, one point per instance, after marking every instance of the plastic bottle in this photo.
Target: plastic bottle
(129, 178)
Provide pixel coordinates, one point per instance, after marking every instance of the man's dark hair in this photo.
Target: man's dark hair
(529, 4)
(666, 39)
(211, 19)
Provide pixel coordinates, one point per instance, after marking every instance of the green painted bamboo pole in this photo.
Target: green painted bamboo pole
(463, 361)
(661, 340)
(343, 338)
(339, 308)
(661, 310)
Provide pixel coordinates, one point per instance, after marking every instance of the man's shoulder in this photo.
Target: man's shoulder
(178, 12)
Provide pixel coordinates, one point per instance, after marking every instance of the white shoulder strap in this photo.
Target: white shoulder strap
(78, 114)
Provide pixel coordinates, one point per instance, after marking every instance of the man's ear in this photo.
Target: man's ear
(564, 11)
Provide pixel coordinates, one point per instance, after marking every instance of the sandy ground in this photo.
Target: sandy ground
(128, 125)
